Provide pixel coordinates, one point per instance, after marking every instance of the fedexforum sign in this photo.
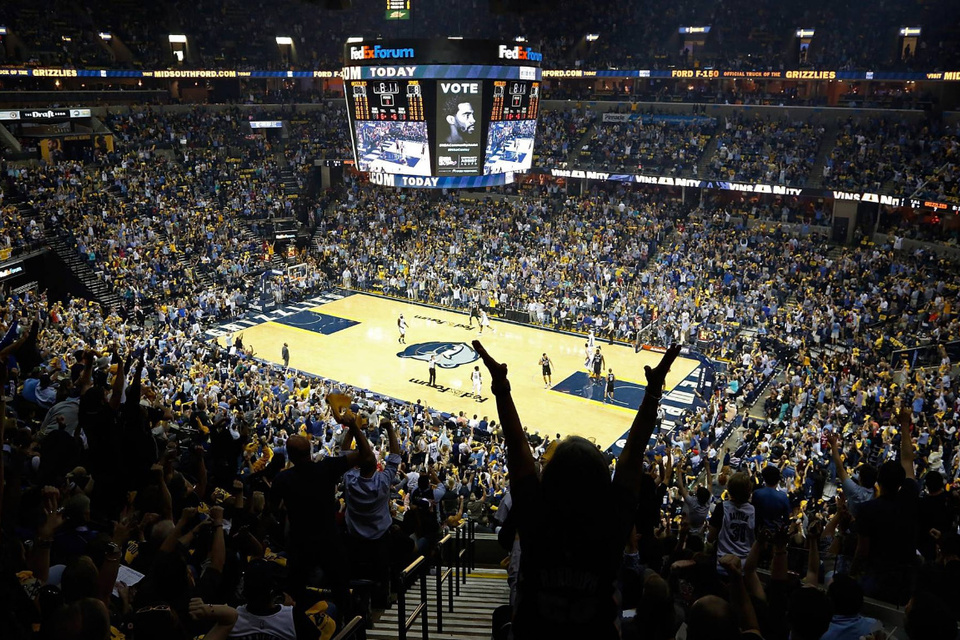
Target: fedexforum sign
(519, 53)
(376, 52)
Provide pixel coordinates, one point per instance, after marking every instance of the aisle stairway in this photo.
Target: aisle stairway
(484, 591)
(827, 143)
(103, 293)
(291, 188)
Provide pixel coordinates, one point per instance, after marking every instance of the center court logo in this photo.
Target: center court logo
(450, 355)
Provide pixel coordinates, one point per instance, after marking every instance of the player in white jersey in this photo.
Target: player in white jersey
(402, 325)
(591, 339)
(484, 321)
(588, 356)
(477, 383)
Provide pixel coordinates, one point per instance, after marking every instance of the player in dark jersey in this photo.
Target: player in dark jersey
(598, 362)
(546, 368)
(474, 313)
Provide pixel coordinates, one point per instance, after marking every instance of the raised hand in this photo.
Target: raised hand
(732, 564)
(658, 375)
(498, 370)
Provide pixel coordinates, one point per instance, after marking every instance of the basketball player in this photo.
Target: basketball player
(477, 382)
(545, 367)
(591, 339)
(474, 312)
(484, 321)
(598, 364)
(611, 381)
(402, 325)
(588, 357)
(433, 370)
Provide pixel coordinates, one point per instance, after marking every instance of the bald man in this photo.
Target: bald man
(307, 493)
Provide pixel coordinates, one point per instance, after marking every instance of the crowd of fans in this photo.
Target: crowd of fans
(558, 132)
(775, 150)
(656, 144)
(904, 158)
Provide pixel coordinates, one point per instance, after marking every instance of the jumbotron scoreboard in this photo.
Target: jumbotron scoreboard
(447, 113)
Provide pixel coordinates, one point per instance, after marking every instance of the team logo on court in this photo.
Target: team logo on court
(450, 355)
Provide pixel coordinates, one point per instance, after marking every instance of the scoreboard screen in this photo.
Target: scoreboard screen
(453, 112)
(515, 100)
(387, 100)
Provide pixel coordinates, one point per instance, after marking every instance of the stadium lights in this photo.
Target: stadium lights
(281, 40)
(177, 39)
(353, 39)
(3, 31)
(106, 36)
(591, 37)
(910, 31)
(454, 37)
(66, 38)
(519, 39)
(805, 33)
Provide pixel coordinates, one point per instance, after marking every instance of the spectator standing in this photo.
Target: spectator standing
(368, 519)
(306, 492)
(572, 522)
(733, 523)
(887, 525)
(771, 504)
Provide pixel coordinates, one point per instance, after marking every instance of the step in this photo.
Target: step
(472, 614)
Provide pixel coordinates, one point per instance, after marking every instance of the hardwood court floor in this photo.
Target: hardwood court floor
(354, 341)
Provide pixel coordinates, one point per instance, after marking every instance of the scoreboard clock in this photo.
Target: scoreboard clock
(515, 100)
(397, 100)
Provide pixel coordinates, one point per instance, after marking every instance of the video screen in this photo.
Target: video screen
(393, 147)
(459, 109)
(510, 146)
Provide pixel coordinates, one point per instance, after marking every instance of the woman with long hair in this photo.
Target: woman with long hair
(572, 521)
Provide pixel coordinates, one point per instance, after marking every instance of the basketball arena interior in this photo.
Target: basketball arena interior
(479, 319)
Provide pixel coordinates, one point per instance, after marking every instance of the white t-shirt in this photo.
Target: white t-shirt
(278, 626)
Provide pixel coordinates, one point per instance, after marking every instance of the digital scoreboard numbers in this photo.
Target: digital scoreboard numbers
(393, 100)
(397, 10)
(361, 106)
(515, 100)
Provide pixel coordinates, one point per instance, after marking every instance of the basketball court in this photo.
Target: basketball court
(353, 339)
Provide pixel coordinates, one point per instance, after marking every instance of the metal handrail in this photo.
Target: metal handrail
(415, 571)
(472, 544)
(442, 575)
(351, 630)
(460, 552)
